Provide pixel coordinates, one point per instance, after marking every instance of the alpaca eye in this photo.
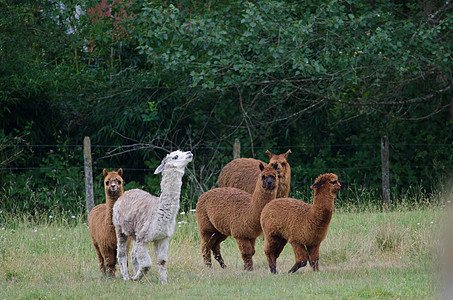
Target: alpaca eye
(263, 177)
(175, 157)
(334, 182)
(107, 182)
(119, 182)
(283, 164)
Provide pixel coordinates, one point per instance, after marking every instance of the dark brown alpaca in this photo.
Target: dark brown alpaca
(304, 226)
(102, 231)
(242, 173)
(228, 211)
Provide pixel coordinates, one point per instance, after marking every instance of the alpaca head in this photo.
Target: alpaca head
(269, 176)
(176, 160)
(281, 161)
(113, 183)
(328, 181)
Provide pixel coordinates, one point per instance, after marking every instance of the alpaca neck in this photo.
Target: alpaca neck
(109, 203)
(283, 186)
(260, 198)
(170, 193)
(323, 206)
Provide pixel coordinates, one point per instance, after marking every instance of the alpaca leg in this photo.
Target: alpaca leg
(313, 253)
(134, 260)
(100, 259)
(110, 262)
(143, 259)
(247, 251)
(301, 255)
(122, 254)
(161, 250)
(273, 246)
(207, 242)
(216, 249)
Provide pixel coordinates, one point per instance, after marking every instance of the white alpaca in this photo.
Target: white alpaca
(146, 218)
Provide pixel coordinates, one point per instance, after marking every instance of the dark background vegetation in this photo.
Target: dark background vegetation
(326, 79)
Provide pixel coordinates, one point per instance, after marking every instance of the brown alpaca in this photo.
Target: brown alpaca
(228, 211)
(241, 173)
(302, 225)
(102, 231)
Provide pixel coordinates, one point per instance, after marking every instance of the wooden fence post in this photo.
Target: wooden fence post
(236, 149)
(385, 171)
(88, 174)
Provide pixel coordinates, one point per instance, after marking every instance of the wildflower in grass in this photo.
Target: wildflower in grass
(73, 217)
(3, 228)
(182, 213)
(193, 210)
(50, 217)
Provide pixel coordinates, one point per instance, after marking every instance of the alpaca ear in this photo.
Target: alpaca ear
(261, 167)
(287, 153)
(120, 172)
(160, 168)
(269, 153)
(104, 172)
(317, 184)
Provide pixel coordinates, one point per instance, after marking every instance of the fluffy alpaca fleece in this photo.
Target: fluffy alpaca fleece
(146, 218)
(302, 225)
(228, 211)
(241, 173)
(100, 224)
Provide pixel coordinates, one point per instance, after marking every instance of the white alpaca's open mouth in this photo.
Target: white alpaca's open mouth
(189, 155)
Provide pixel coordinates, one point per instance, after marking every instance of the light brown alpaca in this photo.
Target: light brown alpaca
(100, 223)
(302, 225)
(241, 173)
(228, 211)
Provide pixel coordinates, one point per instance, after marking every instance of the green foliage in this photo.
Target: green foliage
(325, 79)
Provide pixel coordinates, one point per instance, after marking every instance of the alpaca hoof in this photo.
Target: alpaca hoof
(273, 269)
(248, 268)
(137, 277)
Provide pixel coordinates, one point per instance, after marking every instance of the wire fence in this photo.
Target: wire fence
(227, 151)
(54, 165)
(360, 171)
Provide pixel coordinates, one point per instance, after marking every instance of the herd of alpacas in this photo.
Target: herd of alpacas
(251, 200)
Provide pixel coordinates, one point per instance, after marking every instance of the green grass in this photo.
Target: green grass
(392, 255)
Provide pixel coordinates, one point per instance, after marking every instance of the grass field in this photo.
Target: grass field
(371, 254)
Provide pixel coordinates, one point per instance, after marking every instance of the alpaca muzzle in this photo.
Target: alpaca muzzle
(269, 183)
(113, 189)
(189, 155)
